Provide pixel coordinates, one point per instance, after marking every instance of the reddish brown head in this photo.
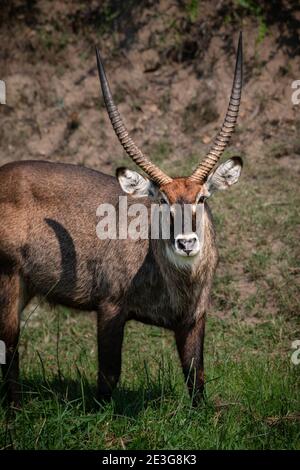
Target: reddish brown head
(192, 190)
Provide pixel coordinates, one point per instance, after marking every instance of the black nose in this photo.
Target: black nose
(186, 244)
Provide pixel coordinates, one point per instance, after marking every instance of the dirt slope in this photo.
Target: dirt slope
(170, 68)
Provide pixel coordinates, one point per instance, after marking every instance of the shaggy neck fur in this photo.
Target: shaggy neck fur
(187, 278)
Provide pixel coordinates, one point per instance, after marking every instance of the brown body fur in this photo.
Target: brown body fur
(49, 247)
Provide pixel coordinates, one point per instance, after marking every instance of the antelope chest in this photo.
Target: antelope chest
(159, 304)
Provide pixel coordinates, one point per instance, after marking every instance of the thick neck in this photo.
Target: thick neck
(185, 277)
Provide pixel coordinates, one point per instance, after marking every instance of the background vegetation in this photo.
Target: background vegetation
(170, 64)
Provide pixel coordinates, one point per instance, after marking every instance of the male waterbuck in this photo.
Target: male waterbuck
(49, 247)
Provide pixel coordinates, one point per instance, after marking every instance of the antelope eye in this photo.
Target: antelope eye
(201, 199)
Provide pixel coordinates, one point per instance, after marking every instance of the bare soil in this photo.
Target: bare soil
(171, 81)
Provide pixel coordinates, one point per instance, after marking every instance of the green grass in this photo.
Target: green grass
(192, 9)
(253, 391)
(252, 387)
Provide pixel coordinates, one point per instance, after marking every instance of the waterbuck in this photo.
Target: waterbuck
(49, 247)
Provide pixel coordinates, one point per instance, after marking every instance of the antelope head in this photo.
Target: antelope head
(192, 190)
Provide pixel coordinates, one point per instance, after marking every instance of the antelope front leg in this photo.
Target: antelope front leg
(110, 339)
(190, 343)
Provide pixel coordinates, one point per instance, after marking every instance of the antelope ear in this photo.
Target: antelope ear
(135, 184)
(225, 175)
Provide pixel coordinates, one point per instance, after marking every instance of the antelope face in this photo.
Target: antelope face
(184, 199)
(179, 193)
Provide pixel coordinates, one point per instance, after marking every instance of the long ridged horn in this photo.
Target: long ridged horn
(224, 134)
(132, 150)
